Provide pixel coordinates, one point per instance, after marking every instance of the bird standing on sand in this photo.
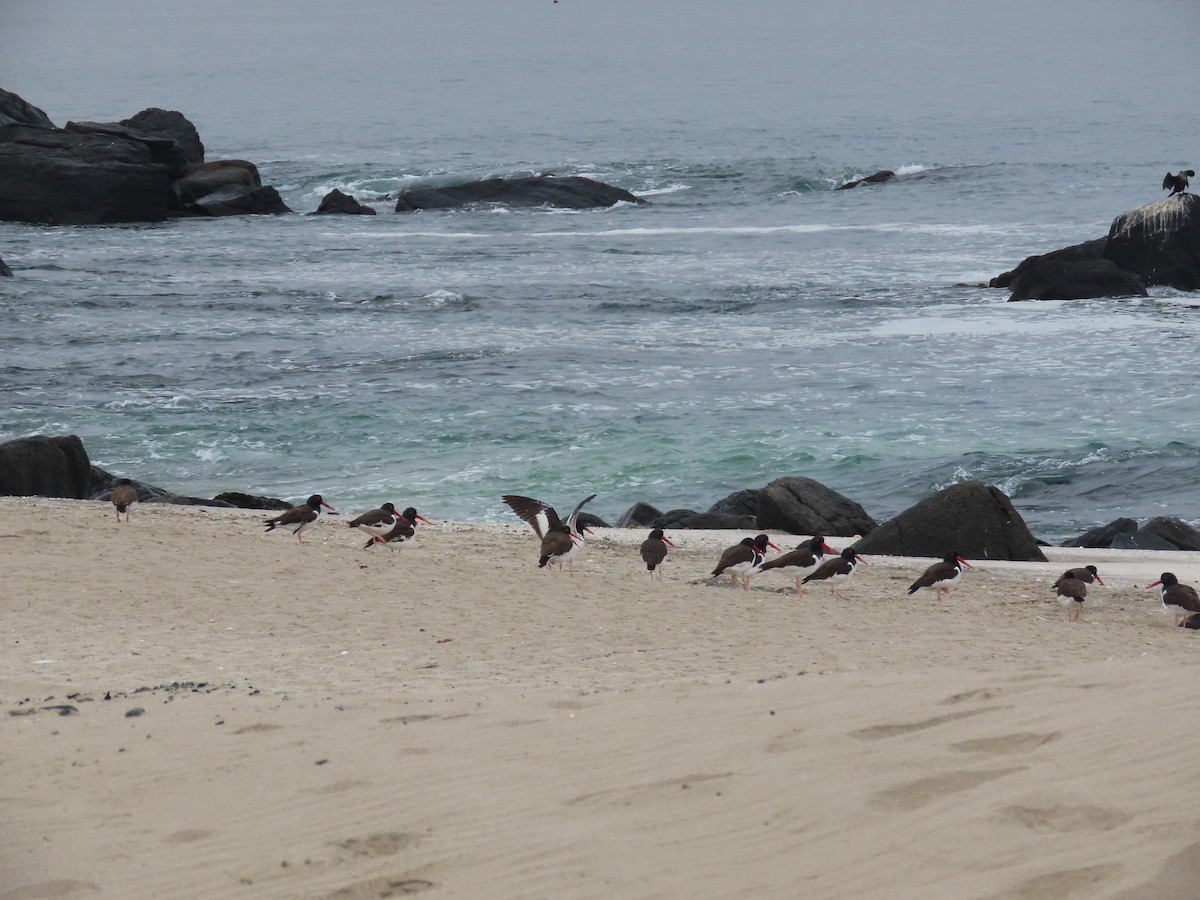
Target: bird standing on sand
(800, 561)
(654, 551)
(1182, 596)
(837, 569)
(1072, 591)
(401, 534)
(560, 540)
(123, 496)
(301, 516)
(384, 516)
(1178, 184)
(743, 559)
(1086, 574)
(941, 576)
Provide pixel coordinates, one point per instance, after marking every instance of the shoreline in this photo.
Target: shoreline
(324, 721)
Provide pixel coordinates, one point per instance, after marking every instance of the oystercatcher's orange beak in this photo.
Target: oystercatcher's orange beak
(860, 559)
(773, 546)
(1154, 584)
(827, 548)
(1099, 580)
(969, 566)
(668, 541)
(423, 519)
(327, 506)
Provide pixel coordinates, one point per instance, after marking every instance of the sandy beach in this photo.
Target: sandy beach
(196, 709)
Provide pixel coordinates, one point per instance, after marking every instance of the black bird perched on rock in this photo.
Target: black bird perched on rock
(1178, 184)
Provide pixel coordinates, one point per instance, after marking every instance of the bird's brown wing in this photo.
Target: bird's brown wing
(541, 516)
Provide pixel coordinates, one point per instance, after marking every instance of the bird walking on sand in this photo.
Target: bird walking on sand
(560, 540)
(1072, 591)
(744, 559)
(1178, 184)
(800, 561)
(400, 535)
(1086, 574)
(301, 516)
(385, 516)
(1181, 596)
(654, 551)
(123, 496)
(836, 570)
(941, 576)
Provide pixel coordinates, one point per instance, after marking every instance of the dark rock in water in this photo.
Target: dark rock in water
(163, 150)
(640, 515)
(568, 192)
(688, 518)
(5, 271)
(251, 501)
(15, 110)
(174, 125)
(975, 519)
(45, 467)
(59, 177)
(235, 201)
(803, 506)
(1161, 533)
(880, 176)
(1058, 280)
(235, 175)
(336, 202)
(1102, 537)
(739, 503)
(1192, 621)
(1088, 251)
(1160, 242)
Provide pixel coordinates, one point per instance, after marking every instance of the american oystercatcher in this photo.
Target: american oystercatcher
(801, 561)
(837, 569)
(1182, 596)
(385, 516)
(123, 496)
(1086, 574)
(941, 576)
(1071, 590)
(654, 551)
(560, 540)
(301, 516)
(400, 535)
(743, 559)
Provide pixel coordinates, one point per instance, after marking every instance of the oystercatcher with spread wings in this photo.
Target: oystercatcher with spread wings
(302, 516)
(560, 540)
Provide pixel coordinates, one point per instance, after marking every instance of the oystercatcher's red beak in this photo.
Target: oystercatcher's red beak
(423, 519)
(773, 546)
(1154, 584)
(668, 541)
(860, 559)
(327, 506)
(587, 530)
(1100, 580)
(969, 566)
(827, 548)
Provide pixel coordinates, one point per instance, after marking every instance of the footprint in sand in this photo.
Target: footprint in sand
(1064, 818)
(1022, 742)
(187, 836)
(255, 729)
(978, 694)
(1070, 884)
(384, 844)
(879, 732)
(923, 791)
(652, 792)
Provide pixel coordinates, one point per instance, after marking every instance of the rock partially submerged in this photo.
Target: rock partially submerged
(880, 176)
(5, 271)
(975, 519)
(335, 202)
(1156, 244)
(564, 192)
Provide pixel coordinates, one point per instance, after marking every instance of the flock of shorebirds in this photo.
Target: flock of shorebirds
(561, 540)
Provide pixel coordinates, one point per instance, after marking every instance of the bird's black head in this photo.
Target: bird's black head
(1168, 579)
(314, 501)
(389, 507)
(656, 535)
(1092, 569)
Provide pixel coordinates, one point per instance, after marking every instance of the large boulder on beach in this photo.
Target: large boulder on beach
(804, 506)
(639, 515)
(682, 519)
(1160, 242)
(1160, 533)
(42, 466)
(565, 192)
(1103, 536)
(739, 503)
(975, 519)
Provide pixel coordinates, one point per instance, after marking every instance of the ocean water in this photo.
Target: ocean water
(749, 322)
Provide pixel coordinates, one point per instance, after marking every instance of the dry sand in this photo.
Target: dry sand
(320, 721)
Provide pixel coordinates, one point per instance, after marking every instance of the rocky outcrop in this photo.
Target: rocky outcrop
(251, 501)
(16, 111)
(739, 503)
(1157, 244)
(174, 126)
(975, 519)
(803, 506)
(335, 203)
(566, 192)
(220, 175)
(5, 271)
(1161, 533)
(45, 467)
(1160, 243)
(1103, 537)
(880, 176)
(688, 518)
(638, 516)
(237, 201)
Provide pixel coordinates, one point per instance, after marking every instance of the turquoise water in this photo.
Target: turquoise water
(749, 322)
